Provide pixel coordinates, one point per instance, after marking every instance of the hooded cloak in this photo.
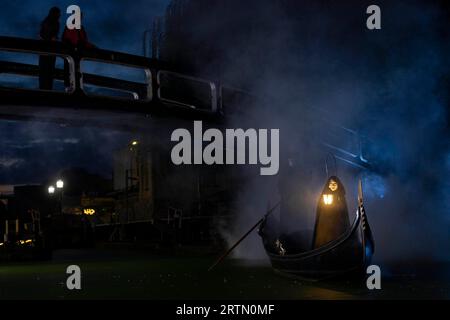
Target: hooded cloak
(331, 219)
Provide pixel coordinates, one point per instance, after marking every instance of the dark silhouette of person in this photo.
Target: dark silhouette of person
(78, 39)
(332, 215)
(49, 32)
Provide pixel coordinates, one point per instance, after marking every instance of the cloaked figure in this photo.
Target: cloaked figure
(332, 215)
(49, 32)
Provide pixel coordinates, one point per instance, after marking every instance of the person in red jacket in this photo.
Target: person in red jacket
(78, 39)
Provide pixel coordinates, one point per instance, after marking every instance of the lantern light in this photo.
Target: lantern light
(51, 189)
(328, 199)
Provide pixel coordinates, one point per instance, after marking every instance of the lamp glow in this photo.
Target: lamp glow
(327, 199)
(89, 211)
(51, 189)
(60, 184)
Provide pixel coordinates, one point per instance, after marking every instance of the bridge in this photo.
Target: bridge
(163, 93)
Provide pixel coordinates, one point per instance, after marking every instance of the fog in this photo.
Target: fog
(314, 60)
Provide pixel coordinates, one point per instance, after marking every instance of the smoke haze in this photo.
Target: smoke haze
(316, 60)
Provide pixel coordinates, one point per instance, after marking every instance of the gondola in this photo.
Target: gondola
(348, 254)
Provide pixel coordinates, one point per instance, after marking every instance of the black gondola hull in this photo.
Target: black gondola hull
(349, 254)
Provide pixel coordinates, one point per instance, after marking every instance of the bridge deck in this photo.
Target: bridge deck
(165, 94)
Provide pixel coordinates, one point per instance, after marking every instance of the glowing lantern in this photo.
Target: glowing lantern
(327, 199)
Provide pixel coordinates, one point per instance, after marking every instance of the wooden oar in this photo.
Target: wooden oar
(223, 256)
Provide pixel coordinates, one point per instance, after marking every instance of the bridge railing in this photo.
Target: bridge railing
(158, 83)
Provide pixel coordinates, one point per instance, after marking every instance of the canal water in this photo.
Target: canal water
(107, 274)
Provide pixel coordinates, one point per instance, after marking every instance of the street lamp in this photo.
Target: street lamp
(59, 184)
(59, 190)
(51, 190)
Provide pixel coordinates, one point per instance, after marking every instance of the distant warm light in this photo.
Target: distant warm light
(333, 186)
(25, 241)
(60, 184)
(89, 211)
(327, 199)
(51, 189)
(134, 143)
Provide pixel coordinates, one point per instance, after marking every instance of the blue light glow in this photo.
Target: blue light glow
(374, 186)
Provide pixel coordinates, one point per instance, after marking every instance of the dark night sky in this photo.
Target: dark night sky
(32, 152)
(116, 25)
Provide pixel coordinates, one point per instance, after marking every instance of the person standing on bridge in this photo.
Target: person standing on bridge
(78, 39)
(49, 32)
